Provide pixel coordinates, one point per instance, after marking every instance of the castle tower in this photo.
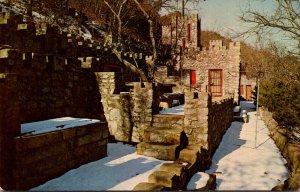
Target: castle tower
(184, 31)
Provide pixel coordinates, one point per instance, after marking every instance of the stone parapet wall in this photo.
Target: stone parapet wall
(42, 157)
(219, 120)
(290, 151)
(49, 82)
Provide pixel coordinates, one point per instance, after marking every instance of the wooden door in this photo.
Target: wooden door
(215, 82)
(248, 92)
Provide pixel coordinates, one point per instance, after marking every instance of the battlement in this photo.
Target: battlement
(186, 17)
(218, 45)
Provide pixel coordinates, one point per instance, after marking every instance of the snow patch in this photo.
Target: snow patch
(178, 110)
(198, 181)
(122, 170)
(55, 125)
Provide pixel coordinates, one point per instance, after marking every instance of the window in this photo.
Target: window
(189, 32)
(215, 82)
(183, 43)
(193, 77)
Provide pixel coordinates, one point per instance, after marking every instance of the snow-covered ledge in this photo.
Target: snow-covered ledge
(54, 125)
(48, 149)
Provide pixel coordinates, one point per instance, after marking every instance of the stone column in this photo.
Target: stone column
(9, 128)
(141, 109)
(196, 110)
(116, 106)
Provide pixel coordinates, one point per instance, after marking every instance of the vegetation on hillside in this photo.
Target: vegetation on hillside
(278, 66)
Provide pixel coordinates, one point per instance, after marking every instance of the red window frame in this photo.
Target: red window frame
(183, 43)
(215, 82)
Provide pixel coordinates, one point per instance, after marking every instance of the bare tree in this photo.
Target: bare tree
(284, 18)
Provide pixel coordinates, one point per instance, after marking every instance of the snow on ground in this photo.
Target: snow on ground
(178, 110)
(241, 166)
(198, 181)
(54, 125)
(122, 169)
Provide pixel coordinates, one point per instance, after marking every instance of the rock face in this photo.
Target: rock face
(290, 151)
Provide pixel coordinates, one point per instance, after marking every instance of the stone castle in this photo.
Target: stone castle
(215, 69)
(45, 74)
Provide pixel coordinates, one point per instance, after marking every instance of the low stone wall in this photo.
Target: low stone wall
(219, 120)
(42, 157)
(290, 151)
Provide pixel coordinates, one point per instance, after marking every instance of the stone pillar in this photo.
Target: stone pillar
(9, 128)
(108, 82)
(116, 106)
(141, 109)
(196, 110)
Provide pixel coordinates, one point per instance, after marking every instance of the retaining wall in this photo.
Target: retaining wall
(42, 157)
(290, 151)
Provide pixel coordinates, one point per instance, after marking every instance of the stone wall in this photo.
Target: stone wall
(290, 150)
(206, 121)
(9, 127)
(219, 120)
(42, 157)
(216, 57)
(128, 113)
(49, 82)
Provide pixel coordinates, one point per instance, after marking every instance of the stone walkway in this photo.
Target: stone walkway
(240, 164)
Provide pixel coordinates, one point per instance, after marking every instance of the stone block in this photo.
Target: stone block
(90, 138)
(163, 152)
(188, 155)
(176, 168)
(69, 133)
(166, 179)
(163, 135)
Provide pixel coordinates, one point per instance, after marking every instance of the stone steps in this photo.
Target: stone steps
(163, 135)
(159, 151)
(168, 121)
(176, 175)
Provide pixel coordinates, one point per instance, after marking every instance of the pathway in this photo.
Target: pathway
(241, 166)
